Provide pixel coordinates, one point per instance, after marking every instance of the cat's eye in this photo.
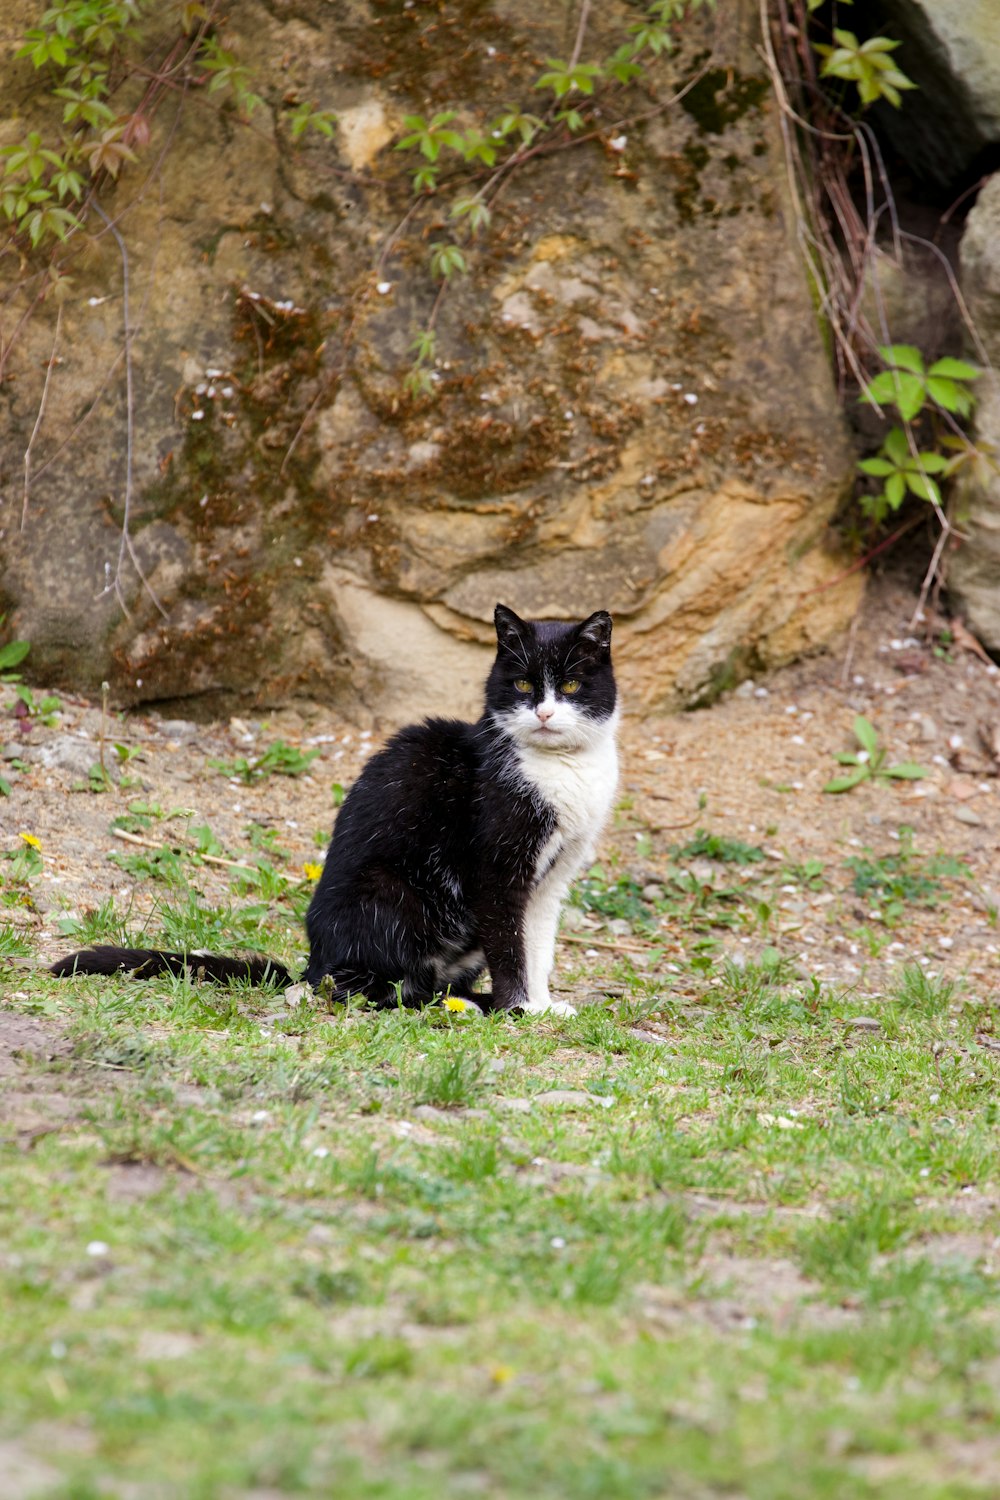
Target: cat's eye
(570, 686)
(522, 684)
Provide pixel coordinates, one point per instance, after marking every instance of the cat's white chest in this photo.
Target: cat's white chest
(579, 787)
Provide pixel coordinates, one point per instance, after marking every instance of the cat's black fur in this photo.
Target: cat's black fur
(436, 850)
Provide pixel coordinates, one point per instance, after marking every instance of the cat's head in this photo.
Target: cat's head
(552, 686)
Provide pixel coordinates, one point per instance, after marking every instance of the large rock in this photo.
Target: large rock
(951, 50)
(633, 407)
(974, 569)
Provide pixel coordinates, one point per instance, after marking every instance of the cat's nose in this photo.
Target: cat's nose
(544, 713)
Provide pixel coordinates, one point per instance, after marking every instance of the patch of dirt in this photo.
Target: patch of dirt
(29, 1105)
(735, 1293)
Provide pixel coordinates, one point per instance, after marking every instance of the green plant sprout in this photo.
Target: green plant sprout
(869, 763)
(278, 759)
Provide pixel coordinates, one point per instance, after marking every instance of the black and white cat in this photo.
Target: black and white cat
(454, 849)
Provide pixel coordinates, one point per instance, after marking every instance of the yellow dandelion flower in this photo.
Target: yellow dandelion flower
(452, 1002)
(31, 840)
(311, 871)
(501, 1374)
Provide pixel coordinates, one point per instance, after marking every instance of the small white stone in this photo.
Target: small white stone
(690, 398)
(97, 1247)
(618, 142)
(383, 288)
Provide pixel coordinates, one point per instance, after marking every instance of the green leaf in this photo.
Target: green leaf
(910, 393)
(955, 369)
(882, 390)
(895, 490)
(949, 394)
(865, 734)
(845, 783)
(12, 653)
(923, 487)
(879, 467)
(906, 771)
(896, 448)
(903, 356)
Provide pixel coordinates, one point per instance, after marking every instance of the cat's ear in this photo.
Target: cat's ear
(511, 630)
(595, 632)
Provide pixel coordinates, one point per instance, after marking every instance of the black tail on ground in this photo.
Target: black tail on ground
(144, 963)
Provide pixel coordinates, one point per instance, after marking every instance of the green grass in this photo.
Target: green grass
(287, 1251)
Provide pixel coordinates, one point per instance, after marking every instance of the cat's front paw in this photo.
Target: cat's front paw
(548, 1007)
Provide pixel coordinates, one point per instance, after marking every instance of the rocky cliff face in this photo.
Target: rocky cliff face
(631, 406)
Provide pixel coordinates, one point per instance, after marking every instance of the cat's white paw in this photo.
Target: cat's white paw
(548, 1008)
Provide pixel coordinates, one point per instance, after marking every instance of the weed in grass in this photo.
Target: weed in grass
(266, 881)
(810, 874)
(749, 1071)
(13, 943)
(266, 840)
(377, 1357)
(918, 994)
(474, 1160)
(618, 898)
(707, 845)
(24, 864)
(325, 1288)
(163, 865)
(864, 1091)
(891, 881)
(840, 1251)
(278, 759)
(204, 840)
(745, 982)
(188, 924)
(448, 1081)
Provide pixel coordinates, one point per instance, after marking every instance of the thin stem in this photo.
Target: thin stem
(126, 547)
(38, 417)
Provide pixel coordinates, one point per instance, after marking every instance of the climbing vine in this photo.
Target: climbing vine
(825, 80)
(578, 99)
